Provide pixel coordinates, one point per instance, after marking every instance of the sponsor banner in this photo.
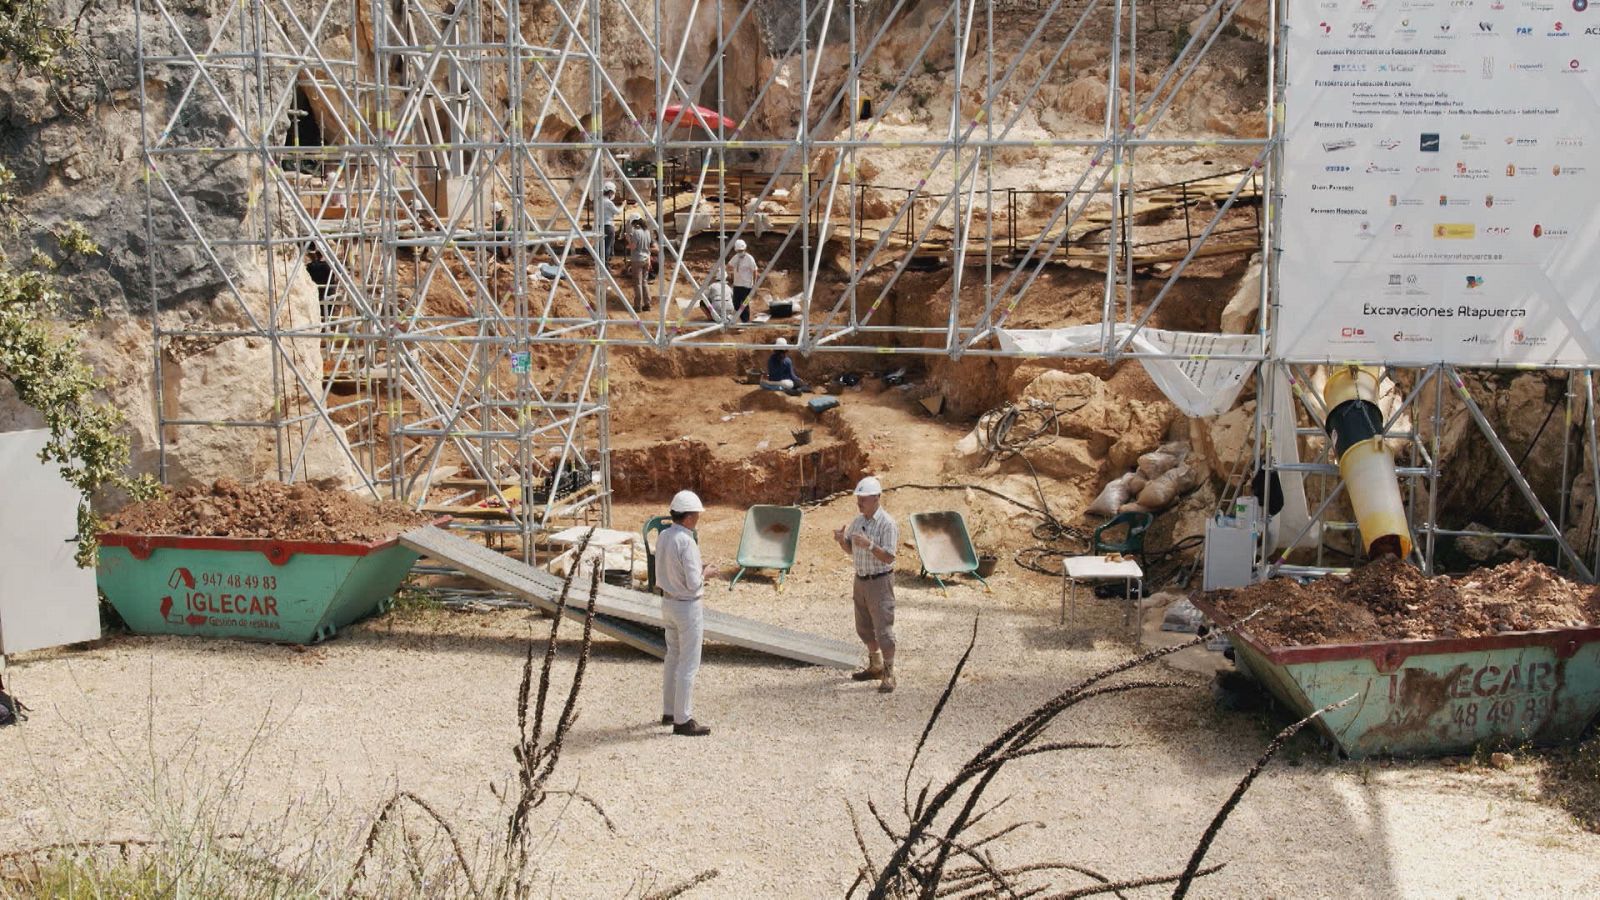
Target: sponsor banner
(1437, 188)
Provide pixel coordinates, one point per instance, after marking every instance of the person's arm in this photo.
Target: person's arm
(880, 553)
(840, 539)
(694, 572)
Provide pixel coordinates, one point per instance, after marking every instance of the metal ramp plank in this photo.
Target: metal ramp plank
(484, 567)
(618, 603)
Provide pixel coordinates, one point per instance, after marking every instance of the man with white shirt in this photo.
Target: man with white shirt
(742, 269)
(681, 577)
(609, 210)
(870, 540)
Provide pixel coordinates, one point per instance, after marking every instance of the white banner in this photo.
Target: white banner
(1440, 182)
(1195, 383)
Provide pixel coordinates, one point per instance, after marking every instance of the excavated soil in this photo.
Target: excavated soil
(1389, 600)
(267, 509)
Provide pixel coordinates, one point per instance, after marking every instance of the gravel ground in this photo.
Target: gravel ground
(424, 701)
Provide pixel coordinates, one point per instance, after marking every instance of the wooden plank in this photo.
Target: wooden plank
(624, 603)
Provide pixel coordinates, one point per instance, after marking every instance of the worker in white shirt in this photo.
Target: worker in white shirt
(681, 576)
(870, 540)
(609, 211)
(717, 300)
(742, 269)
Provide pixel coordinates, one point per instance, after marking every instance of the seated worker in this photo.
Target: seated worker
(780, 371)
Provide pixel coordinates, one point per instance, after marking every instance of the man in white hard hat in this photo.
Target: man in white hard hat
(780, 370)
(870, 540)
(681, 577)
(609, 210)
(742, 270)
(502, 250)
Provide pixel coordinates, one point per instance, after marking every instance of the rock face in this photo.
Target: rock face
(74, 147)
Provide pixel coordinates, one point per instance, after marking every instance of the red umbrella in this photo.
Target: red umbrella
(678, 114)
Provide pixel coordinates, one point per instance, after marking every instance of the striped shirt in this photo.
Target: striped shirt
(883, 534)
(678, 569)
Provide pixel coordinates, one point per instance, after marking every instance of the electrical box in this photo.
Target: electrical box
(45, 599)
(1231, 547)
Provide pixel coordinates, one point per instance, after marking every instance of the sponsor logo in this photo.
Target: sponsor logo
(1325, 28)
(1444, 32)
(1350, 333)
(1557, 30)
(1365, 231)
(1427, 170)
(1514, 141)
(1349, 67)
(1591, 31)
(1400, 230)
(1447, 68)
(1404, 31)
(1580, 5)
(1524, 339)
(1486, 27)
(1478, 339)
(1406, 337)
(1497, 231)
(1429, 142)
(1397, 68)
(1486, 68)
(1524, 31)
(1335, 168)
(1576, 67)
(1362, 30)
(1468, 142)
(1375, 169)
(1334, 146)
(1569, 142)
(1527, 67)
(1394, 279)
(1545, 232)
(1388, 144)
(1454, 231)
(1474, 282)
(1469, 172)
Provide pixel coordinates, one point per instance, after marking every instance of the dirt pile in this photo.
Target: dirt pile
(267, 509)
(1389, 600)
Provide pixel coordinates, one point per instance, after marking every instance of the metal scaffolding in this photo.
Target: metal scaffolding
(404, 201)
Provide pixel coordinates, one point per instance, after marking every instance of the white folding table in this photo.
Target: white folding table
(1099, 568)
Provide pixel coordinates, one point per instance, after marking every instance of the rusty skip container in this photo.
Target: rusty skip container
(295, 592)
(1435, 697)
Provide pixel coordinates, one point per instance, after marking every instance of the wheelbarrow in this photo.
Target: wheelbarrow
(944, 546)
(771, 536)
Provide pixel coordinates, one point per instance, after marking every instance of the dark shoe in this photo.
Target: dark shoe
(666, 718)
(887, 685)
(866, 675)
(691, 728)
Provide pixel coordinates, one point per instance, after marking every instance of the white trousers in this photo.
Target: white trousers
(685, 623)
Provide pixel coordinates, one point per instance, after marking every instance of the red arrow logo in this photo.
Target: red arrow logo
(180, 575)
(166, 606)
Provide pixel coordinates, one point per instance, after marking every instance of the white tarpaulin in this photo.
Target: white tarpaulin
(1439, 181)
(1197, 384)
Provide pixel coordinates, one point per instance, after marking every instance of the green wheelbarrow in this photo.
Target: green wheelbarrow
(944, 546)
(771, 536)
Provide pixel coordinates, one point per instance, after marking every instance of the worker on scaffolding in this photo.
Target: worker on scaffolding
(780, 371)
(681, 576)
(641, 252)
(742, 270)
(609, 211)
(502, 240)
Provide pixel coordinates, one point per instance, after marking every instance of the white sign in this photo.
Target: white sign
(1439, 182)
(45, 599)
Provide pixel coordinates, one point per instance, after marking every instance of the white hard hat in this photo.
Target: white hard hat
(868, 487)
(498, 207)
(686, 502)
(610, 188)
(738, 246)
(783, 342)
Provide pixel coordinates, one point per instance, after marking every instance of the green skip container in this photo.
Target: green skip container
(296, 592)
(1435, 697)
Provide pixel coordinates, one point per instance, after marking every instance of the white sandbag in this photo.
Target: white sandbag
(1111, 498)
